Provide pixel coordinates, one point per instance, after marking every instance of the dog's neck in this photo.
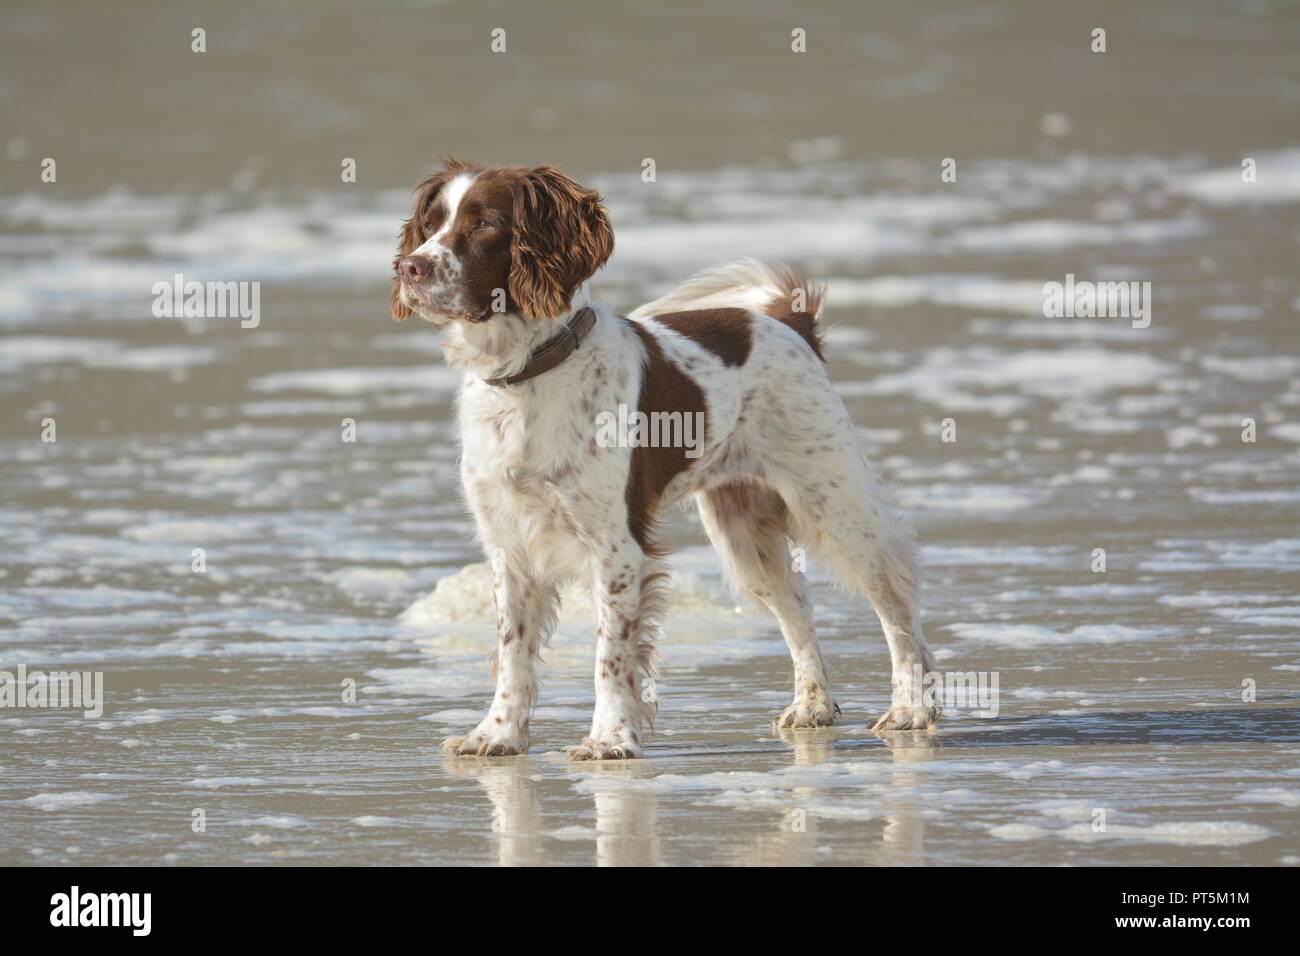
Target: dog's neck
(502, 345)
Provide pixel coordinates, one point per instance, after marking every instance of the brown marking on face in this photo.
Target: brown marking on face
(727, 333)
(664, 388)
(417, 229)
(534, 234)
(480, 239)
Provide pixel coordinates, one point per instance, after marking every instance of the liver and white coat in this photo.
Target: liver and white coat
(499, 259)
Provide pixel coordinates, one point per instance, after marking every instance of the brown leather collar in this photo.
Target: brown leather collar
(554, 350)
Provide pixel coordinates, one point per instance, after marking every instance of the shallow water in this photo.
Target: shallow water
(1119, 691)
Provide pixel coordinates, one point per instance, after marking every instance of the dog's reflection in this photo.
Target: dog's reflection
(903, 841)
(794, 842)
(626, 808)
(625, 813)
(516, 816)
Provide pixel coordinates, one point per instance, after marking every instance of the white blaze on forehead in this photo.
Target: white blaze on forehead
(444, 283)
(450, 197)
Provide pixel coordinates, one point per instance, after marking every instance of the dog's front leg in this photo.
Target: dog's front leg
(526, 612)
(630, 587)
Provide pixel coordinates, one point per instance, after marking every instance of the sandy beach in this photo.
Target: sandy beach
(295, 688)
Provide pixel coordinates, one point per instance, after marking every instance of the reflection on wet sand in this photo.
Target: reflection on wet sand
(903, 841)
(516, 817)
(626, 809)
(793, 841)
(625, 815)
(626, 818)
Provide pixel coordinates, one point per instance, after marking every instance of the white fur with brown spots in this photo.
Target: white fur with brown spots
(780, 460)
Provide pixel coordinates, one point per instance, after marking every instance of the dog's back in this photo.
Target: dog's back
(774, 290)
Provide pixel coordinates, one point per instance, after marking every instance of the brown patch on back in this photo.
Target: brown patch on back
(727, 333)
(664, 388)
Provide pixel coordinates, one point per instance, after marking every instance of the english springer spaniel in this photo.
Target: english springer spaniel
(579, 426)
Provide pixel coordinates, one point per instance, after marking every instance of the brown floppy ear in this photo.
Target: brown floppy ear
(412, 236)
(561, 237)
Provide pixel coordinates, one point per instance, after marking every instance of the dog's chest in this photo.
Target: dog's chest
(525, 463)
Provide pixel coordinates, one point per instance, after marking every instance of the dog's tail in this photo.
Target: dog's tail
(772, 289)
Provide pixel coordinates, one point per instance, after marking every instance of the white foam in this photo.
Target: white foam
(1196, 833)
(574, 832)
(1027, 556)
(1289, 431)
(971, 498)
(1277, 180)
(212, 783)
(1212, 599)
(1278, 555)
(1019, 832)
(1056, 234)
(944, 373)
(1261, 496)
(65, 801)
(279, 822)
(439, 380)
(1033, 635)
(1279, 795)
(20, 350)
(1072, 330)
(373, 584)
(1257, 368)
(958, 291)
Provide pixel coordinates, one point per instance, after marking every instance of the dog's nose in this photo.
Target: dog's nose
(414, 268)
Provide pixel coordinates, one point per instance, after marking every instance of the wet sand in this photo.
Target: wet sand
(1120, 691)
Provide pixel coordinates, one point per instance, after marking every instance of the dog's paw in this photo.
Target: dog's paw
(591, 749)
(907, 717)
(816, 711)
(480, 744)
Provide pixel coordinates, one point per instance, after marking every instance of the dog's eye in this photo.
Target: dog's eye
(482, 224)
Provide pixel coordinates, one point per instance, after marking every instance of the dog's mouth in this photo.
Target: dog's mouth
(440, 307)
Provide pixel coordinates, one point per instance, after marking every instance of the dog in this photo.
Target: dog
(499, 259)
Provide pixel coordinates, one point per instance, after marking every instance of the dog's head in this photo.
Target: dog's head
(486, 240)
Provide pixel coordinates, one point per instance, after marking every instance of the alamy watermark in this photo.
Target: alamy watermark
(75, 908)
(179, 299)
(975, 691)
(1098, 300)
(636, 429)
(55, 690)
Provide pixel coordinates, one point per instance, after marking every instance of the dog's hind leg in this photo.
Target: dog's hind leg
(841, 519)
(748, 525)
